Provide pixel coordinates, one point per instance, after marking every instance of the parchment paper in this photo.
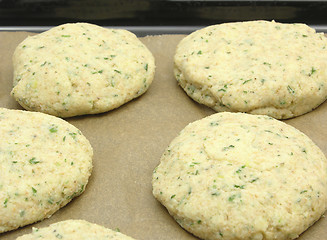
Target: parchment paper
(128, 143)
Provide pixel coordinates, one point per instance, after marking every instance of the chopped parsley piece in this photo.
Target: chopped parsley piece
(59, 236)
(240, 169)
(253, 180)
(33, 161)
(5, 202)
(21, 213)
(290, 90)
(246, 81)
(231, 198)
(226, 148)
(313, 70)
(53, 129)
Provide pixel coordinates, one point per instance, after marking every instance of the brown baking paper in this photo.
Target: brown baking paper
(128, 143)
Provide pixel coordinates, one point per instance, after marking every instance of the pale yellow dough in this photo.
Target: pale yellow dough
(44, 163)
(76, 69)
(241, 176)
(73, 230)
(257, 67)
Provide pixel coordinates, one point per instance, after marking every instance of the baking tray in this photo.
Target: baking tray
(150, 122)
(152, 17)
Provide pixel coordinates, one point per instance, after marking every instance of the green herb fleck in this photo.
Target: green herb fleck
(231, 198)
(246, 81)
(117, 71)
(226, 148)
(172, 196)
(5, 202)
(65, 35)
(240, 169)
(33, 161)
(313, 70)
(59, 236)
(194, 163)
(53, 129)
(34, 190)
(72, 134)
(21, 213)
(253, 180)
(304, 191)
(239, 186)
(82, 188)
(199, 221)
(290, 90)
(146, 67)
(304, 35)
(214, 123)
(199, 52)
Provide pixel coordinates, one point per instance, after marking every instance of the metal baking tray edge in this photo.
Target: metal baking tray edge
(139, 30)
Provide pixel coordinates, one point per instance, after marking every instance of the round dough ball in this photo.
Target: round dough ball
(257, 67)
(74, 229)
(44, 163)
(242, 176)
(76, 69)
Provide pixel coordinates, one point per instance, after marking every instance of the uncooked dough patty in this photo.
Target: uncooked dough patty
(44, 163)
(257, 67)
(74, 229)
(242, 176)
(76, 69)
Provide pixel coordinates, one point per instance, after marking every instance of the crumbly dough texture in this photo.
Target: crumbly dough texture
(257, 67)
(242, 176)
(74, 229)
(76, 69)
(44, 163)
